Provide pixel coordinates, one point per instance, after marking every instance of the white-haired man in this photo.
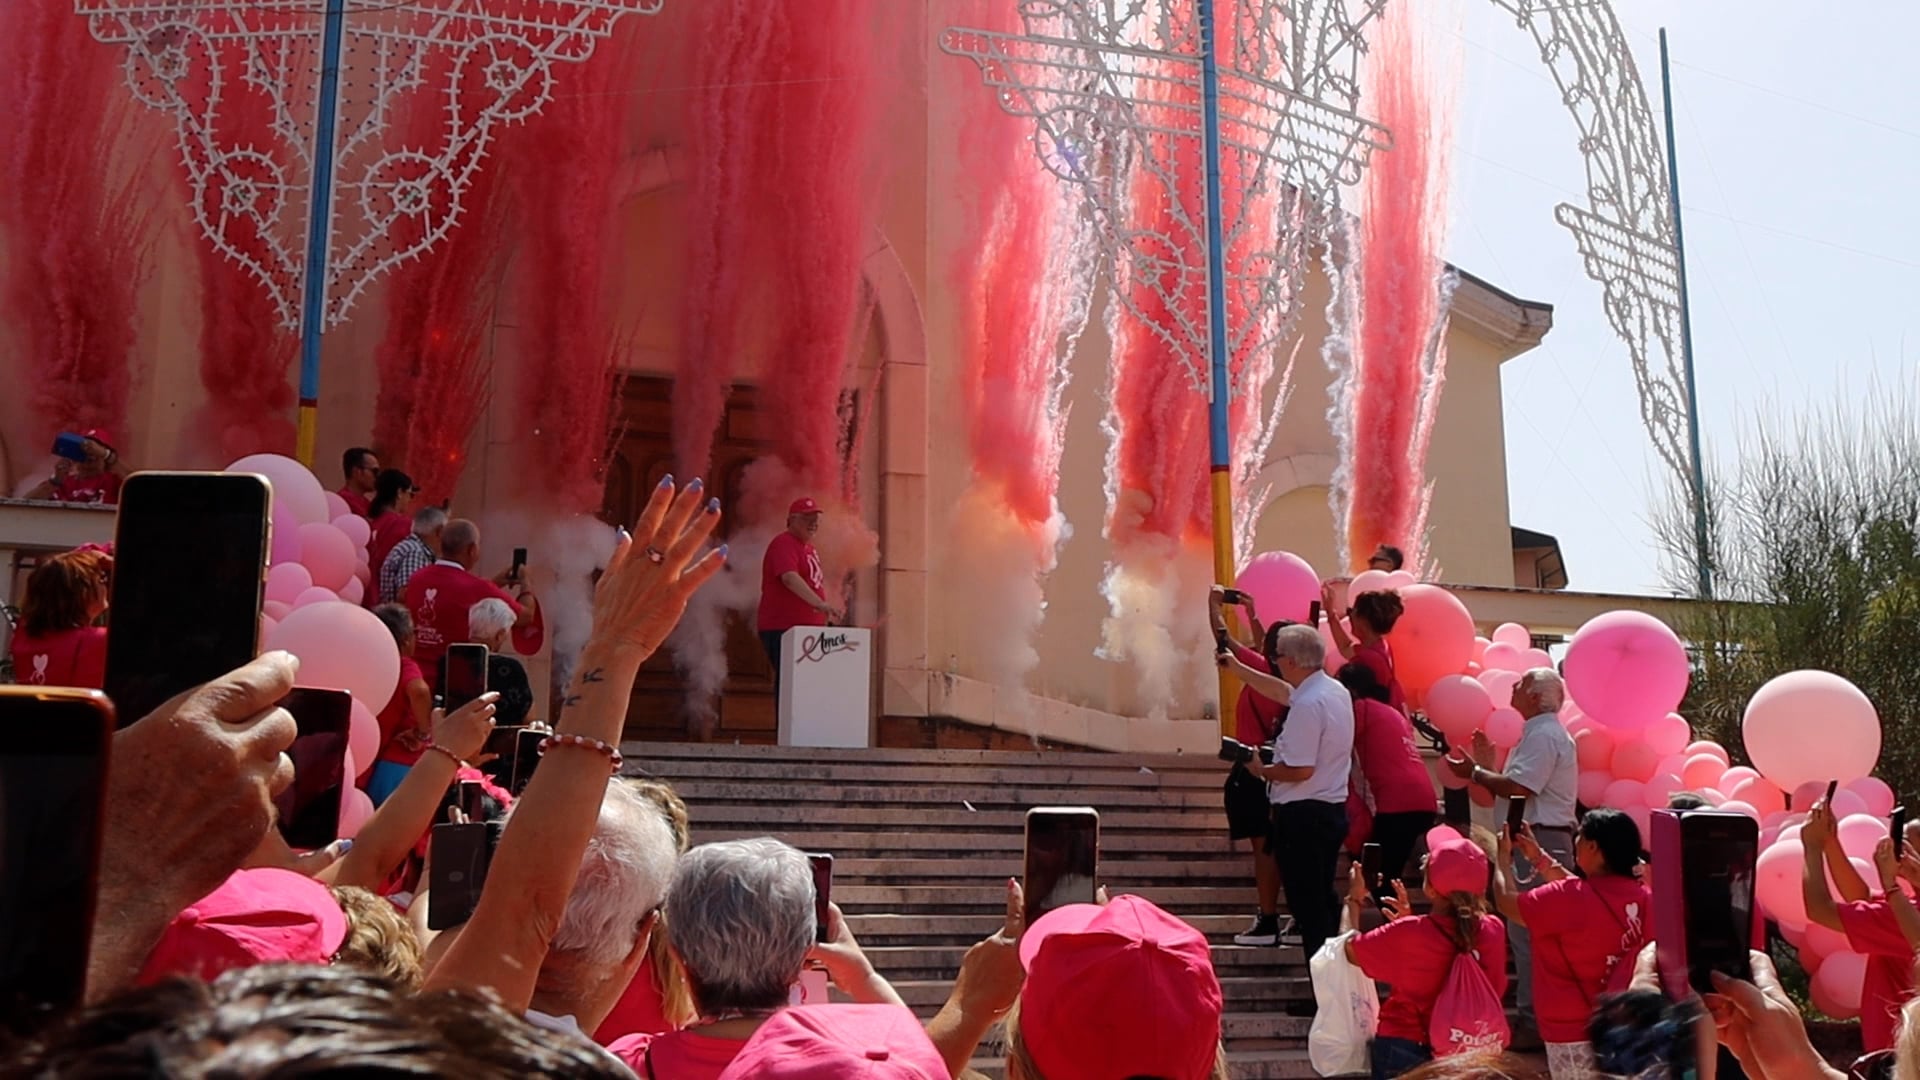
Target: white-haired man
(1307, 782)
(411, 555)
(1544, 770)
(610, 916)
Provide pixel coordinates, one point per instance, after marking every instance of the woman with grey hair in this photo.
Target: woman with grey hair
(490, 623)
(740, 920)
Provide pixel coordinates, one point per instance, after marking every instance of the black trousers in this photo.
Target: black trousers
(770, 641)
(1307, 837)
(1397, 834)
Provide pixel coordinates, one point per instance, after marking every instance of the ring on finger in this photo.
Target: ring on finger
(655, 555)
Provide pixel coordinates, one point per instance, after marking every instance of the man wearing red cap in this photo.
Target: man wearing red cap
(93, 479)
(793, 589)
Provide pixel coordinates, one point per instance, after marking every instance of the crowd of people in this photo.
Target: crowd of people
(604, 944)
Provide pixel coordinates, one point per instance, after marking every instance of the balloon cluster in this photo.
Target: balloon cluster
(1626, 673)
(317, 577)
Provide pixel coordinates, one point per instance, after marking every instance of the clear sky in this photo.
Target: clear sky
(1800, 160)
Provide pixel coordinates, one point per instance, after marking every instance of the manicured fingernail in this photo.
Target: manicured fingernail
(696, 484)
(713, 505)
(722, 552)
(666, 481)
(346, 845)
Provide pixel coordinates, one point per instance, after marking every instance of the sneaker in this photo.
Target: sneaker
(1264, 931)
(1286, 933)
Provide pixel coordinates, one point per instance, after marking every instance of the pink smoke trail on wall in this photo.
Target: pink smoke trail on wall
(76, 221)
(1399, 356)
(566, 335)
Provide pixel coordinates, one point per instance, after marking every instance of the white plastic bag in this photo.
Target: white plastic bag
(1346, 1011)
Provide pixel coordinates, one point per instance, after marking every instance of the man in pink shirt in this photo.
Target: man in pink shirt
(793, 588)
(441, 596)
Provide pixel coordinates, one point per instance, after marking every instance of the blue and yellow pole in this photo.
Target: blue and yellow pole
(313, 307)
(1218, 385)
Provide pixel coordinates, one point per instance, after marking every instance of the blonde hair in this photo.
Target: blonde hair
(378, 939)
(1020, 1064)
(676, 998)
(1906, 1054)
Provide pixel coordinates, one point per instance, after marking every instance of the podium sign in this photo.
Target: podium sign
(826, 686)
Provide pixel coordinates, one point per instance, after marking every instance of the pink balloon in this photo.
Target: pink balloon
(1503, 657)
(1846, 804)
(355, 528)
(1660, 788)
(336, 505)
(1642, 818)
(1776, 882)
(341, 647)
(1668, 735)
(275, 609)
(1433, 638)
(1282, 584)
(267, 623)
(1458, 705)
(1735, 806)
(1627, 669)
(1536, 658)
(1758, 793)
(350, 765)
(1624, 794)
(1875, 793)
(1768, 834)
(1712, 795)
(1593, 786)
(1823, 941)
(354, 592)
(1367, 581)
(363, 733)
(293, 486)
(1448, 780)
(1504, 725)
(1791, 832)
(1733, 776)
(286, 581)
(1859, 834)
(1796, 935)
(1400, 579)
(1708, 746)
(315, 595)
(1836, 988)
(356, 807)
(1811, 725)
(1634, 760)
(1334, 659)
(1480, 649)
(1499, 683)
(1513, 634)
(1594, 747)
(285, 544)
(327, 554)
(1702, 771)
(1576, 725)
(1808, 793)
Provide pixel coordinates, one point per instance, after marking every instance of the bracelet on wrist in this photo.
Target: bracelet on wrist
(458, 761)
(611, 751)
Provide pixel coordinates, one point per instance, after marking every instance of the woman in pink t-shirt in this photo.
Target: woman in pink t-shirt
(1398, 788)
(1868, 921)
(1373, 615)
(1415, 953)
(57, 643)
(1586, 930)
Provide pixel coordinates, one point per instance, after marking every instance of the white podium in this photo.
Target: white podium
(826, 686)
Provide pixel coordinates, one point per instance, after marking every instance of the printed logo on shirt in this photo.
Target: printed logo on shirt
(816, 577)
(39, 675)
(1482, 1039)
(427, 606)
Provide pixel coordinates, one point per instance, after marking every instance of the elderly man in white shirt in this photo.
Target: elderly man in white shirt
(1544, 770)
(1307, 782)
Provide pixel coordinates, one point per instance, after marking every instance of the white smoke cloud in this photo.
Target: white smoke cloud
(995, 582)
(564, 552)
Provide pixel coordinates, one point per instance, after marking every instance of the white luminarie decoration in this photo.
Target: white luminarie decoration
(1113, 88)
(1626, 232)
(483, 63)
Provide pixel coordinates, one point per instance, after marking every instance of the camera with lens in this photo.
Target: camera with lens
(1239, 753)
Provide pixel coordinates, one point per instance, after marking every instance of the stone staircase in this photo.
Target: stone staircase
(924, 841)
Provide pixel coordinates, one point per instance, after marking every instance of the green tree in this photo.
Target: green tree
(1814, 532)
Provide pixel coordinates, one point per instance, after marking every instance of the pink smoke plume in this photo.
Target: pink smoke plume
(1399, 361)
(76, 222)
(568, 373)
(433, 377)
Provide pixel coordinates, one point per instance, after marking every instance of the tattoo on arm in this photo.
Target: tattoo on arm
(594, 675)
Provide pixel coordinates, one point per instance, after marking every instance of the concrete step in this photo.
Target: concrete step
(1282, 1064)
(989, 899)
(1115, 776)
(893, 928)
(644, 752)
(924, 962)
(750, 790)
(998, 870)
(952, 819)
(1243, 993)
(1011, 841)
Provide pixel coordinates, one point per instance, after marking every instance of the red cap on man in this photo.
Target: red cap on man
(803, 505)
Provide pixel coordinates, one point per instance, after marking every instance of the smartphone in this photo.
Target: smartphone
(1313, 614)
(70, 446)
(1516, 817)
(309, 809)
(190, 560)
(822, 896)
(473, 798)
(526, 758)
(1456, 808)
(519, 562)
(1062, 859)
(460, 855)
(463, 675)
(1370, 866)
(1897, 828)
(1703, 896)
(1233, 596)
(1832, 787)
(53, 788)
(502, 741)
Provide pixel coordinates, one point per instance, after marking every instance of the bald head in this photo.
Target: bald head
(460, 541)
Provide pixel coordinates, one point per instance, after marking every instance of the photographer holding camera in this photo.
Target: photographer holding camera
(1257, 720)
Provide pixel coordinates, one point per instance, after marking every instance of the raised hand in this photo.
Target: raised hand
(654, 571)
(1399, 905)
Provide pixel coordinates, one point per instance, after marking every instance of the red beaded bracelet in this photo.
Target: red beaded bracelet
(585, 743)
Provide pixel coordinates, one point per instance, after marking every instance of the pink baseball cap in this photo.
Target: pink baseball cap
(260, 916)
(1118, 991)
(839, 1042)
(803, 506)
(1455, 863)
